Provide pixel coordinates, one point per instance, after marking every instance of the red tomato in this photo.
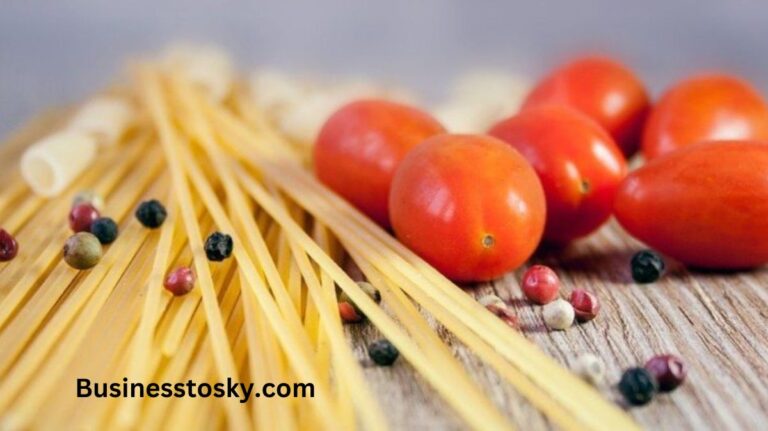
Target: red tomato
(704, 108)
(605, 90)
(579, 166)
(469, 205)
(360, 146)
(705, 205)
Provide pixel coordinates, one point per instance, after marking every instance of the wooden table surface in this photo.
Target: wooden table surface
(715, 321)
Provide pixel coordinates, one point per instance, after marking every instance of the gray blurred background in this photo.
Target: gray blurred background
(55, 52)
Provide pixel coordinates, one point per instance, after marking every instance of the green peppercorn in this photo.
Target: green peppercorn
(82, 250)
(382, 352)
(647, 266)
(151, 214)
(105, 230)
(218, 246)
(638, 386)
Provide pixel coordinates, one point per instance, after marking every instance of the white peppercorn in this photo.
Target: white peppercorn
(590, 368)
(558, 314)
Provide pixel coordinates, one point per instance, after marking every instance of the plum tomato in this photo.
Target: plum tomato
(578, 163)
(705, 108)
(603, 89)
(360, 146)
(705, 205)
(469, 205)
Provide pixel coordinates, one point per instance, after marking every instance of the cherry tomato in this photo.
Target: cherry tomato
(703, 108)
(605, 90)
(469, 205)
(360, 146)
(578, 163)
(705, 205)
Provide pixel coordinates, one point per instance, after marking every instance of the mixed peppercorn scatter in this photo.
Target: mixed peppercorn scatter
(540, 284)
(647, 266)
(81, 217)
(151, 214)
(558, 314)
(590, 368)
(382, 352)
(89, 197)
(105, 229)
(180, 281)
(218, 246)
(585, 305)
(669, 370)
(82, 250)
(9, 247)
(638, 386)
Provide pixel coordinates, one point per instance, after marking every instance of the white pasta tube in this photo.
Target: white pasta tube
(106, 118)
(52, 163)
(204, 66)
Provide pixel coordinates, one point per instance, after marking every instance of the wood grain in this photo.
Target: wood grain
(715, 321)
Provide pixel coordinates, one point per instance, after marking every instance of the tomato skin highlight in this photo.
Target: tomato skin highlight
(578, 163)
(470, 205)
(705, 108)
(603, 89)
(360, 146)
(705, 205)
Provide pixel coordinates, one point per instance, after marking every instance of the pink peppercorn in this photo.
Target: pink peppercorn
(349, 313)
(585, 304)
(540, 284)
(82, 216)
(8, 246)
(180, 281)
(504, 314)
(669, 370)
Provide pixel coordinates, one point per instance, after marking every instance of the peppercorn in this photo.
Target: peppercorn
(647, 266)
(504, 313)
(105, 230)
(382, 352)
(151, 214)
(81, 217)
(180, 281)
(89, 197)
(669, 371)
(585, 305)
(349, 313)
(370, 290)
(638, 386)
(558, 314)
(540, 284)
(82, 250)
(491, 299)
(218, 246)
(8, 246)
(590, 368)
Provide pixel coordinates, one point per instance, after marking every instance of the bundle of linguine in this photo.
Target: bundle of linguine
(268, 314)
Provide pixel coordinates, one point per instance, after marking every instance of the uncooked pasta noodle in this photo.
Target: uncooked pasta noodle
(106, 118)
(267, 314)
(51, 164)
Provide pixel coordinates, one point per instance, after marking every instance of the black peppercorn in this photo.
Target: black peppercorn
(151, 214)
(382, 352)
(105, 230)
(218, 246)
(638, 386)
(647, 266)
